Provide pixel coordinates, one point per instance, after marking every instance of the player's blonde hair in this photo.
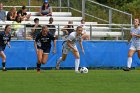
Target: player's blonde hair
(45, 27)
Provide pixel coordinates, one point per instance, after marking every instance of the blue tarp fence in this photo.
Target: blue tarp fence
(97, 54)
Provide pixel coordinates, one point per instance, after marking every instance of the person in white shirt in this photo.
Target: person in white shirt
(135, 43)
(70, 45)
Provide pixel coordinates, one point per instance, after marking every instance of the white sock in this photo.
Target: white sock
(77, 62)
(129, 62)
(59, 60)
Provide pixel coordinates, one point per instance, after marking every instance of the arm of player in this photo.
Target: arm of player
(35, 45)
(54, 46)
(8, 43)
(137, 35)
(70, 45)
(129, 38)
(81, 45)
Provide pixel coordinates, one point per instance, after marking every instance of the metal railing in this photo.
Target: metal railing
(95, 31)
(100, 12)
(90, 10)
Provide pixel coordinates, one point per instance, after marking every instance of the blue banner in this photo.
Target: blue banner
(97, 54)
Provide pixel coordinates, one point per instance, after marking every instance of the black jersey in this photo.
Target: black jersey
(44, 41)
(36, 32)
(4, 38)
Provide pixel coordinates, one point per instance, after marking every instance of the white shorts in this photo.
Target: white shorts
(135, 46)
(66, 48)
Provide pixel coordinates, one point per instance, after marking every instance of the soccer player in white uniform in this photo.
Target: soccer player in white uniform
(70, 45)
(135, 43)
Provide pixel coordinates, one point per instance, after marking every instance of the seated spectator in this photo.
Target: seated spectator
(51, 27)
(84, 36)
(2, 13)
(68, 28)
(36, 28)
(19, 29)
(46, 9)
(22, 13)
(11, 15)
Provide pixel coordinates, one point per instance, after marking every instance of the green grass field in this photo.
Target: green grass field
(66, 81)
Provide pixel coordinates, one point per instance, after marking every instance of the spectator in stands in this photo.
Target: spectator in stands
(135, 43)
(22, 13)
(51, 27)
(43, 44)
(84, 36)
(19, 29)
(70, 45)
(5, 38)
(68, 29)
(36, 28)
(2, 13)
(11, 15)
(46, 9)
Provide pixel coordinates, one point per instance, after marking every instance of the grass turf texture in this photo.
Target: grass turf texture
(66, 81)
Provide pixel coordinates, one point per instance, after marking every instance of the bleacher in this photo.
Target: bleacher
(62, 18)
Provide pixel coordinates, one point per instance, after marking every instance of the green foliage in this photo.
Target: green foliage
(133, 8)
(115, 2)
(130, 6)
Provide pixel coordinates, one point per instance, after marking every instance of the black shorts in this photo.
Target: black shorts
(2, 48)
(45, 50)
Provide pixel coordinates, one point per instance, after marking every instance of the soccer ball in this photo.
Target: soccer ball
(83, 70)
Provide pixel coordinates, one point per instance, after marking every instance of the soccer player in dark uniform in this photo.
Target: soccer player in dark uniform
(43, 43)
(5, 38)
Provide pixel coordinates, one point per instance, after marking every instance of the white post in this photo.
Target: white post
(83, 9)
(29, 3)
(68, 2)
(60, 5)
(110, 16)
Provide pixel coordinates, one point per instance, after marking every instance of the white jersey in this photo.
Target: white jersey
(135, 31)
(73, 38)
(135, 41)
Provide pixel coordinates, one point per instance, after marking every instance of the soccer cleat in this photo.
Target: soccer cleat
(4, 69)
(57, 66)
(126, 69)
(38, 70)
(77, 72)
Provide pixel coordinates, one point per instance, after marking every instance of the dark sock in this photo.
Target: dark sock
(3, 64)
(38, 65)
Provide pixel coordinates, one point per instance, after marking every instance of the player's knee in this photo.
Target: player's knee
(139, 56)
(129, 55)
(39, 61)
(4, 57)
(43, 62)
(77, 57)
(63, 59)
